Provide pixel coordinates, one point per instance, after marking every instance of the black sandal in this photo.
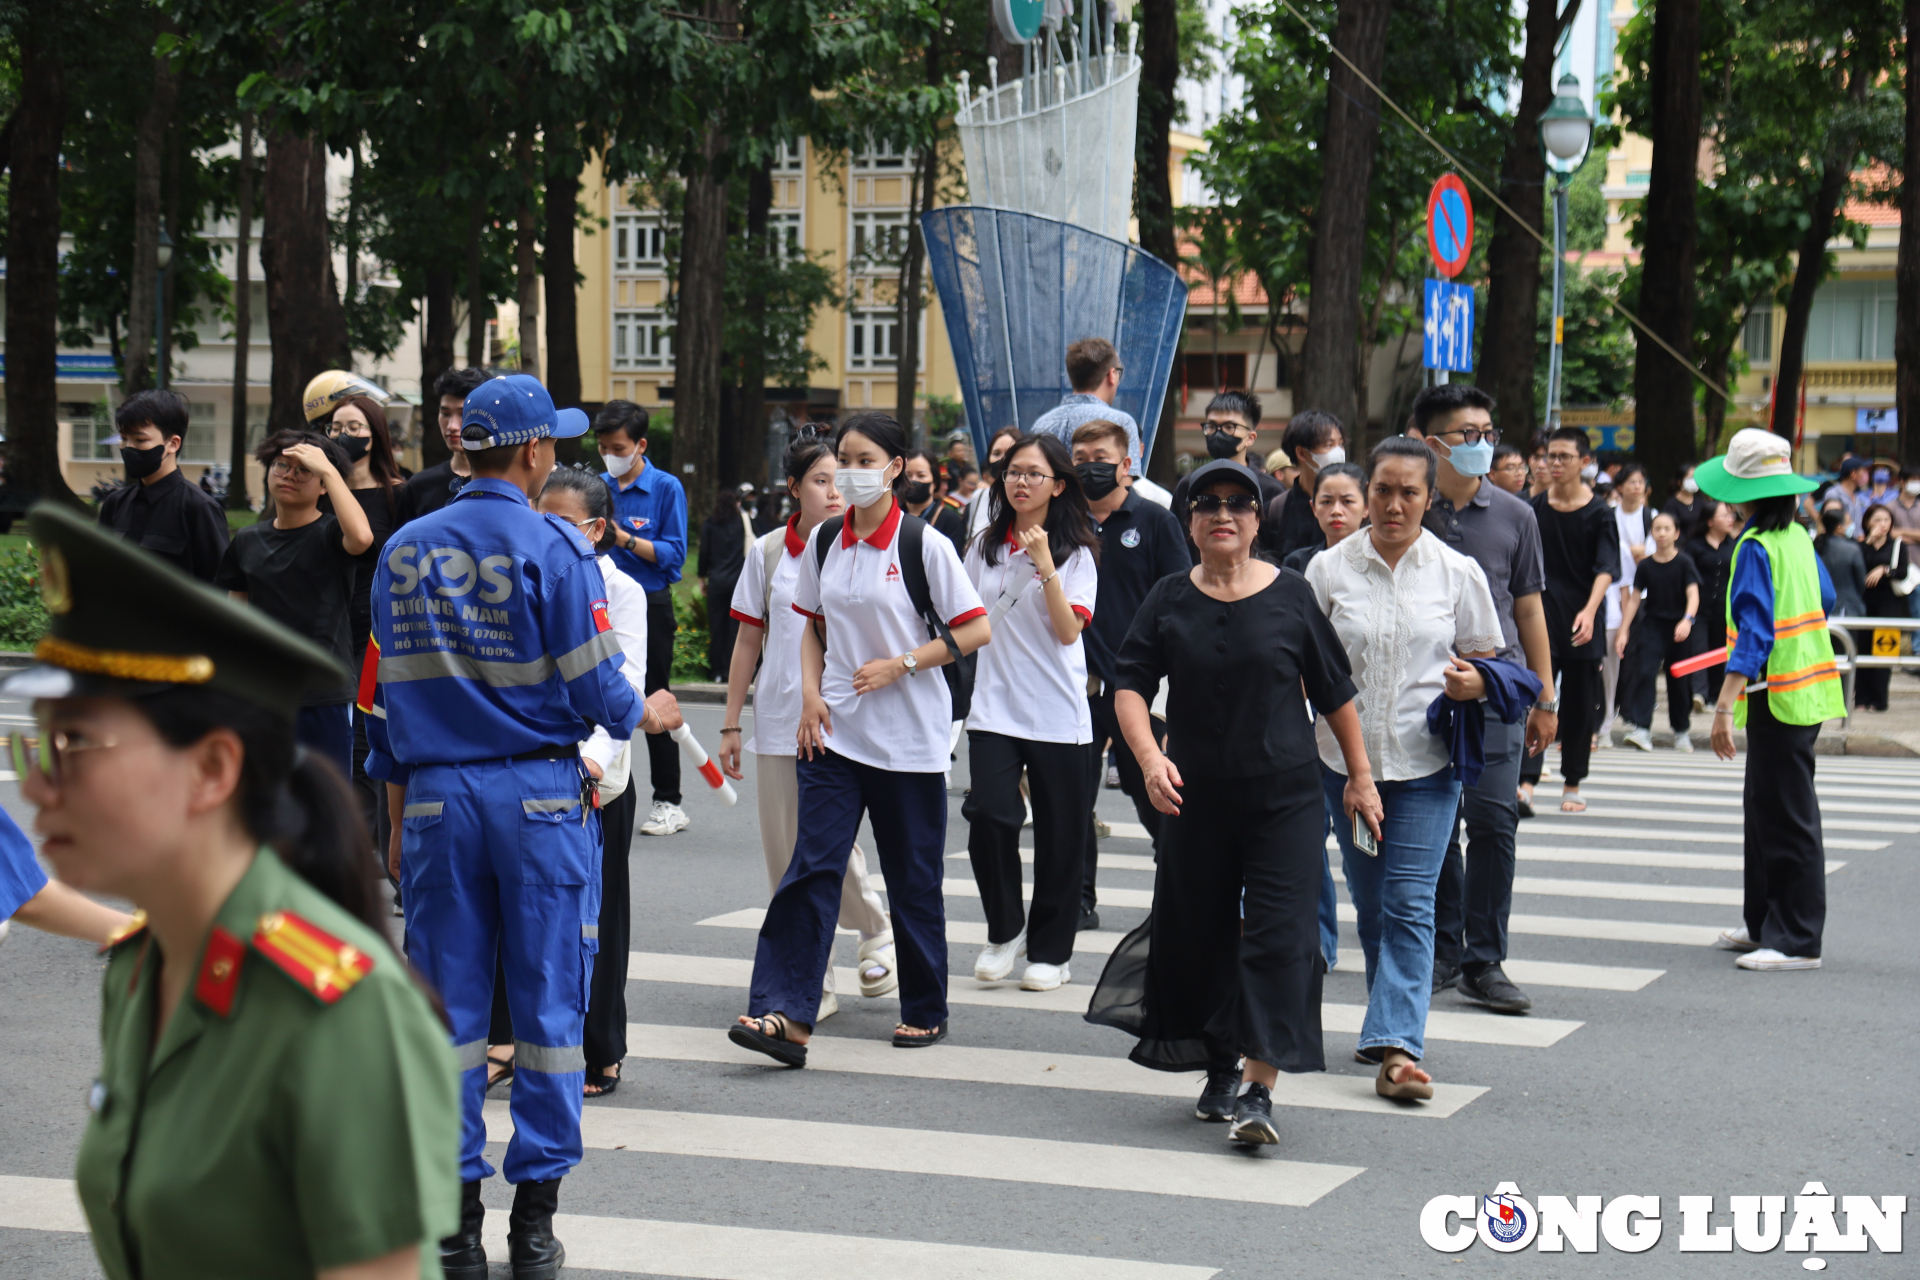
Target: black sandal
(506, 1070)
(602, 1083)
(901, 1040)
(776, 1045)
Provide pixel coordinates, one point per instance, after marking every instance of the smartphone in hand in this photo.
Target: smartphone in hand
(1363, 836)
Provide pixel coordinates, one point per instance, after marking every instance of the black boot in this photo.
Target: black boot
(535, 1254)
(462, 1256)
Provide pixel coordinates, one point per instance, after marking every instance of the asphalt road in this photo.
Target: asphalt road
(1028, 1146)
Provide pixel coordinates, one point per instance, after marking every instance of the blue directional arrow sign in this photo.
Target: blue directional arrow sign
(1449, 327)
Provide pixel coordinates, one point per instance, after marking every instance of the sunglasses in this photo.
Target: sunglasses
(1238, 504)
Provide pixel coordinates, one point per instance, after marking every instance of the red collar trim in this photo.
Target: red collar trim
(880, 539)
(795, 543)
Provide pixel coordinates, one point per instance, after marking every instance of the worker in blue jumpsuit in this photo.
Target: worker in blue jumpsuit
(493, 658)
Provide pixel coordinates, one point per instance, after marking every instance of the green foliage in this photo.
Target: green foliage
(1597, 360)
(1586, 206)
(690, 638)
(945, 415)
(23, 617)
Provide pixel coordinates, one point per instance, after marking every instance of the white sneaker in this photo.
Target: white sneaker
(1113, 777)
(1683, 743)
(1641, 738)
(997, 959)
(1738, 939)
(665, 819)
(1767, 960)
(1050, 977)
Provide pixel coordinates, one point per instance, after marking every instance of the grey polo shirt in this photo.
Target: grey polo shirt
(1502, 534)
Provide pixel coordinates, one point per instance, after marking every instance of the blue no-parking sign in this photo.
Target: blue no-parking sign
(1449, 327)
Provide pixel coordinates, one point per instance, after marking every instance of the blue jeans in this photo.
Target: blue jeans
(1393, 898)
(1329, 907)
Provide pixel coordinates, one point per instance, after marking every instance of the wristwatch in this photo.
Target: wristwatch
(913, 664)
(1549, 705)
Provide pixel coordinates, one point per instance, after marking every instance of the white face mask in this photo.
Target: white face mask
(618, 466)
(1689, 485)
(861, 486)
(1913, 488)
(1323, 460)
(1589, 471)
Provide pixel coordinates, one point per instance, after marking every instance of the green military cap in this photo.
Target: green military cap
(126, 623)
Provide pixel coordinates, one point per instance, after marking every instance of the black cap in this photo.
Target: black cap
(1223, 469)
(125, 624)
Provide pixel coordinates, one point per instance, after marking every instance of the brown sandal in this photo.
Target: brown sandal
(1408, 1090)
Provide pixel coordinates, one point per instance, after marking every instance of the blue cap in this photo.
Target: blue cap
(513, 410)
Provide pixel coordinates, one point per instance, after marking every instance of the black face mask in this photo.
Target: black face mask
(1222, 444)
(141, 463)
(917, 491)
(355, 446)
(1098, 478)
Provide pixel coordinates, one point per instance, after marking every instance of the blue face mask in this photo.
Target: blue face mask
(1472, 459)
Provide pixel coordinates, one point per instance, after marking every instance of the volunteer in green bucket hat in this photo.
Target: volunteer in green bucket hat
(1781, 685)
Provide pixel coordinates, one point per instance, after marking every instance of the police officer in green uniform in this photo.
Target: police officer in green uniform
(277, 1097)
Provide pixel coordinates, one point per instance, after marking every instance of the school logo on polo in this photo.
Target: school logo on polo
(893, 573)
(1130, 538)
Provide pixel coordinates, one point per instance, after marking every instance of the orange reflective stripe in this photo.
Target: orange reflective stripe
(1806, 675)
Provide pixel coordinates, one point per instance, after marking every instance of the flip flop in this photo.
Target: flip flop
(1405, 1090)
(878, 950)
(1566, 800)
(754, 1036)
(901, 1040)
(602, 1083)
(506, 1070)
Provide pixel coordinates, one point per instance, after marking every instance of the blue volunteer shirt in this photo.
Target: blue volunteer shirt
(20, 875)
(492, 636)
(653, 507)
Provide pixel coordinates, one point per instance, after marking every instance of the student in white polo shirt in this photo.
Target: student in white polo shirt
(763, 602)
(874, 728)
(1036, 562)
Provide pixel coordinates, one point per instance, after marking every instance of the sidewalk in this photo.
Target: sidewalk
(1894, 732)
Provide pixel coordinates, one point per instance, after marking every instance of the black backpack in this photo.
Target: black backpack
(913, 572)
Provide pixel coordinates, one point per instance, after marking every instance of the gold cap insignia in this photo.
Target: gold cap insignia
(56, 584)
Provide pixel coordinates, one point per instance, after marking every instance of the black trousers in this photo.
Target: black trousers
(663, 753)
(1652, 650)
(1133, 784)
(1200, 983)
(1579, 687)
(605, 1040)
(1474, 896)
(722, 626)
(1786, 859)
(1057, 777)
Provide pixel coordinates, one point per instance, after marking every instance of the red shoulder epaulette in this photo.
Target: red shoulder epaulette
(132, 927)
(312, 957)
(952, 502)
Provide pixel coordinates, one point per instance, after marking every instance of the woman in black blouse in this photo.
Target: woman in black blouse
(1886, 560)
(1244, 648)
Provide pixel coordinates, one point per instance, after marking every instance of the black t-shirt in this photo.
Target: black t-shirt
(172, 519)
(432, 488)
(1663, 587)
(1576, 547)
(383, 516)
(1235, 672)
(1714, 564)
(301, 578)
(1140, 543)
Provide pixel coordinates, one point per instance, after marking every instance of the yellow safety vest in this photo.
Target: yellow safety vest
(1802, 683)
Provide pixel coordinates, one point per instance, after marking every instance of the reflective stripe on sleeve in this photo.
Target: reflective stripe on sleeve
(577, 662)
(438, 663)
(590, 931)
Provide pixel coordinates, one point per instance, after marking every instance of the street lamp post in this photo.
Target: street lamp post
(1565, 130)
(163, 256)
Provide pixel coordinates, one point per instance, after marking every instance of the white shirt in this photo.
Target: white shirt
(1027, 684)
(1152, 492)
(776, 691)
(904, 727)
(627, 611)
(1399, 627)
(1633, 528)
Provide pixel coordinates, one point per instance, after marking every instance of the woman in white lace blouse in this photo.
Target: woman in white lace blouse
(1410, 610)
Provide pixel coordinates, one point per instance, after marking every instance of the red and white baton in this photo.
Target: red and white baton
(1701, 661)
(701, 761)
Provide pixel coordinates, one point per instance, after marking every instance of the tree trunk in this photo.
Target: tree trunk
(1340, 222)
(526, 258)
(1906, 325)
(242, 322)
(1810, 263)
(1508, 338)
(305, 322)
(752, 401)
(696, 327)
(1663, 387)
(476, 289)
(563, 307)
(350, 301)
(1713, 409)
(149, 144)
(1153, 198)
(33, 261)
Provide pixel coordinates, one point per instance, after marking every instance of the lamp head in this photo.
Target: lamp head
(1565, 126)
(164, 254)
